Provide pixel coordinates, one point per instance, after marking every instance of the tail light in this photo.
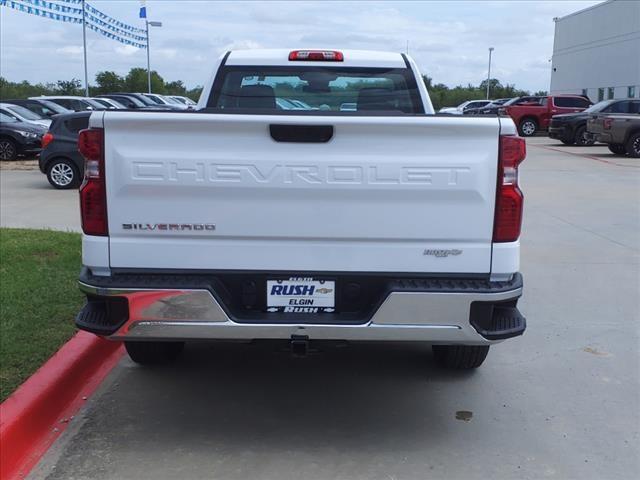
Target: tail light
(509, 198)
(93, 194)
(47, 138)
(316, 56)
(607, 122)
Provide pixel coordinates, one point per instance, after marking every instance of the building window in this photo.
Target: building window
(600, 94)
(631, 92)
(585, 92)
(610, 93)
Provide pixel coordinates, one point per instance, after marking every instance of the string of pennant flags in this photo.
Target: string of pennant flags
(108, 19)
(99, 22)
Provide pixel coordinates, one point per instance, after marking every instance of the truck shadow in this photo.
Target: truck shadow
(257, 396)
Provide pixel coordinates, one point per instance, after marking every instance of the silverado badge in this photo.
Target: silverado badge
(440, 253)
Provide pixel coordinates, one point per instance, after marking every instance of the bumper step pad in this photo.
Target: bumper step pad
(497, 322)
(103, 316)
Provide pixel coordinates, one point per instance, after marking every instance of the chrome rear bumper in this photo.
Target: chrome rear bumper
(190, 314)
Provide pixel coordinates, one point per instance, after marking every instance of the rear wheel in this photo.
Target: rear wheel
(153, 353)
(528, 127)
(633, 146)
(63, 174)
(617, 148)
(8, 149)
(582, 139)
(567, 142)
(460, 357)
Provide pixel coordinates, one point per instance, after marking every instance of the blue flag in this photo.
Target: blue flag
(143, 10)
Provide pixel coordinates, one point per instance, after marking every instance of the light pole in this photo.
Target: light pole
(152, 24)
(489, 73)
(84, 49)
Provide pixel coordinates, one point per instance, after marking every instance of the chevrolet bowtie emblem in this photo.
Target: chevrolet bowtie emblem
(324, 290)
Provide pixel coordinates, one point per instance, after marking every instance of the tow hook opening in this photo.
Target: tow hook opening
(299, 345)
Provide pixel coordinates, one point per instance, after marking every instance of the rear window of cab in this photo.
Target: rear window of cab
(315, 90)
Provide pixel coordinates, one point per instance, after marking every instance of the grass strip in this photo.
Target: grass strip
(39, 299)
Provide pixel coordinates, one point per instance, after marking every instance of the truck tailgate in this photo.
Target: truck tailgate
(217, 192)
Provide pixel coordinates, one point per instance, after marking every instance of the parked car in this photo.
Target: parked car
(301, 104)
(163, 100)
(536, 115)
(44, 108)
(108, 103)
(492, 104)
(571, 128)
(60, 160)
(185, 100)
(24, 115)
(18, 137)
(493, 109)
(270, 235)
(621, 132)
(147, 101)
(463, 107)
(130, 103)
(287, 104)
(73, 103)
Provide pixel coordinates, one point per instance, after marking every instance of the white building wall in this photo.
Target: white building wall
(598, 48)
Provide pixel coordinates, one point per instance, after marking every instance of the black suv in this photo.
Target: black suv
(60, 160)
(18, 138)
(571, 128)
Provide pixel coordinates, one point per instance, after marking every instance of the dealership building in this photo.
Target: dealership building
(596, 51)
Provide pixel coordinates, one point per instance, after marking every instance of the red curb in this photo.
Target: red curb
(39, 410)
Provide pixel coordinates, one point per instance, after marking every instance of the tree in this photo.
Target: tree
(194, 93)
(109, 82)
(443, 96)
(494, 85)
(175, 88)
(541, 93)
(69, 87)
(136, 81)
(23, 89)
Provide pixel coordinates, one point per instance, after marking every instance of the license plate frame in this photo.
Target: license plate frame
(300, 295)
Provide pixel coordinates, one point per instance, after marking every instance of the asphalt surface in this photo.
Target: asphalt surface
(560, 402)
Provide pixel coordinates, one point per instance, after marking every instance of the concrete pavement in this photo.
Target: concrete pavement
(28, 201)
(560, 402)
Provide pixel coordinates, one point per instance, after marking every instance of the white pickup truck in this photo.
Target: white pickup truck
(270, 213)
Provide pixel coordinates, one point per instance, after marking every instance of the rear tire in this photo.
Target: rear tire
(153, 353)
(617, 148)
(8, 149)
(567, 142)
(633, 146)
(528, 127)
(460, 357)
(63, 174)
(581, 139)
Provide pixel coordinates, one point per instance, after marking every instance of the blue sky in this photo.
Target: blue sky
(449, 40)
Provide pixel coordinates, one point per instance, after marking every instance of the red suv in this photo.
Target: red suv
(536, 115)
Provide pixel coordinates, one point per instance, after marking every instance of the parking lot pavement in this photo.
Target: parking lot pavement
(28, 201)
(559, 402)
